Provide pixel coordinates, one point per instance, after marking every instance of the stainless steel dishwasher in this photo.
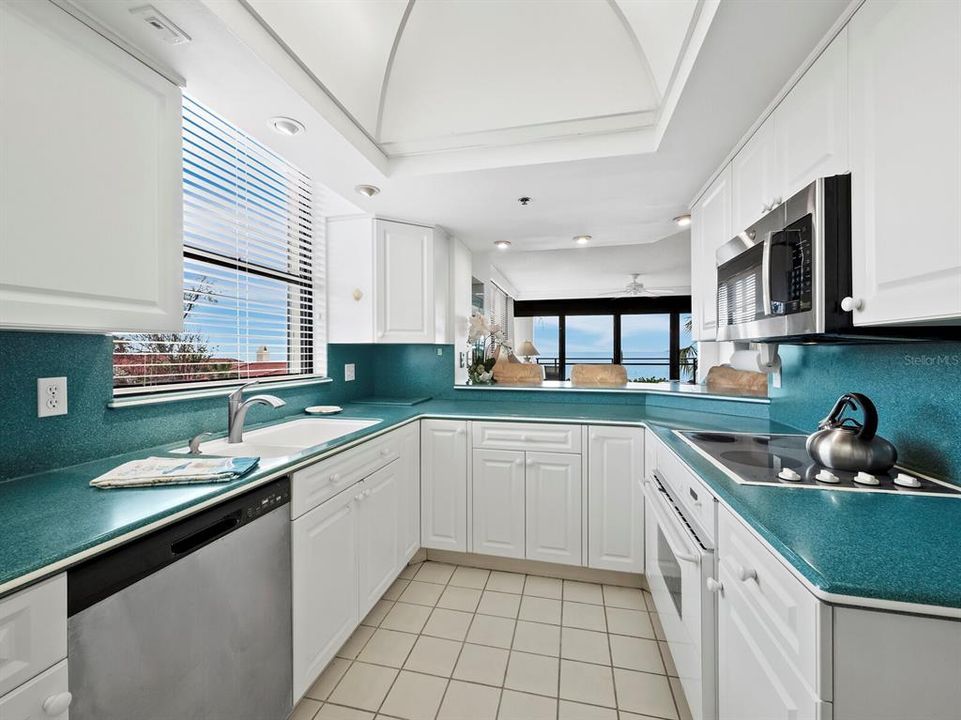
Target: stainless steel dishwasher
(192, 621)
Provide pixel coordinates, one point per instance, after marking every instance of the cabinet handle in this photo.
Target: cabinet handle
(56, 705)
(358, 497)
(850, 304)
(744, 574)
(461, 431)
(518, 461)
(714, 586)
(335, 478)
(385, 452)
(529, 462)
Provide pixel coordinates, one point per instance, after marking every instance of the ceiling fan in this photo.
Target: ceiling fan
(635, 288)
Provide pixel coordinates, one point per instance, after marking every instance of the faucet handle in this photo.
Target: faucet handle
(237, 394)
(195, 443)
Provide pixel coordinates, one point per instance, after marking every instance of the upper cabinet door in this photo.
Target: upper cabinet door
(811, 123)
(405, 283)
(754, 168)
(906, 160)
(710, 228)
(91, 213)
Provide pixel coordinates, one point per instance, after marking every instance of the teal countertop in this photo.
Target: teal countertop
(891, 548)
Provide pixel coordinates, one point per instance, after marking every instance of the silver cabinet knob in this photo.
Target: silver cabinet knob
(850, 304)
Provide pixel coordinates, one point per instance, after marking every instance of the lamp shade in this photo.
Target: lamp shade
(527, 349)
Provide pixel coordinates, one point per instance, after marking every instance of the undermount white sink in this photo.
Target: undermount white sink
(287, 438)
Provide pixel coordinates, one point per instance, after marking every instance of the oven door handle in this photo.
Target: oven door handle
(766, 274)
(668, 522)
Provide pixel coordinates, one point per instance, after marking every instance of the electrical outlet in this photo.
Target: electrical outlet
(51, 396)
(349, 372)
(440, 352)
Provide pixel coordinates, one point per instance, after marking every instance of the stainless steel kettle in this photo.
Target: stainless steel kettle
(843, 443)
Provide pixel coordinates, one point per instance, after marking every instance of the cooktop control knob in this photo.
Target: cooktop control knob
(908, 481)
(826, 476)
(864, 478)
(789, 474)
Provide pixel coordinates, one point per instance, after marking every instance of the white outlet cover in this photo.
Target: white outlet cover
(349, 373)
(51, 396)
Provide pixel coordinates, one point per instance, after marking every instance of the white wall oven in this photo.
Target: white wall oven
(679, 560)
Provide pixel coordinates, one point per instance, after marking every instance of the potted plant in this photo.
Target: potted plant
(486, 341)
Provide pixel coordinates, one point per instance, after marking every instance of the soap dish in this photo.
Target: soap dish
(323, 409)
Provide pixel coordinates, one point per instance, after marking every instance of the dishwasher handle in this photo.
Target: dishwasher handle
(206, 535)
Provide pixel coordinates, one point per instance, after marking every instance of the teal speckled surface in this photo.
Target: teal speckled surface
(893, 548)
(916, 387)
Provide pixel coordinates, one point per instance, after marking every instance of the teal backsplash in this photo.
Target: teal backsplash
(91, 430)
(916, 387)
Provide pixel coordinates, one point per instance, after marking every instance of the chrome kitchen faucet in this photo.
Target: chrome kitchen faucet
(237, 410)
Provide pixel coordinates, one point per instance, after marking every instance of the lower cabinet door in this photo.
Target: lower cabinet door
(755, 682)
(325, 605)
(378, 544)
(408, 508)
(498, 502)
(553, 508)
(443, 484)
(615, 499)
(45, 697)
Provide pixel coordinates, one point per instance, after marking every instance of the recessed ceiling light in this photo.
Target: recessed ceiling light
(502, 244)
(582, 239)
(367, 190)
(286, 125)
(683, 220)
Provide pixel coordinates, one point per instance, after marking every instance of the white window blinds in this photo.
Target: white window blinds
(253, 269)
(502, 312)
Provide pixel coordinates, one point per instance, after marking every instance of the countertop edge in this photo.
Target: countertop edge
(814, 583)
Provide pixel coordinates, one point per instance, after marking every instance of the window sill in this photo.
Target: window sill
(159, 398)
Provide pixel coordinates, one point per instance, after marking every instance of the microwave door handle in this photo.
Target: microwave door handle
(766, 273)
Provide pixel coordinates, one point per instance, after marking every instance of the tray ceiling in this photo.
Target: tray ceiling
(422, 77)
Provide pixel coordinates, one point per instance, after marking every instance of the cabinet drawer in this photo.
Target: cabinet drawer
(790, 616)
(315, 484)
(27, 701)
(33, 632)
(690, 490)
(527, 436)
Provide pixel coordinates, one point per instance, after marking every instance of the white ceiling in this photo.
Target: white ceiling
(734, 59)
(664, 267)
(421, 77)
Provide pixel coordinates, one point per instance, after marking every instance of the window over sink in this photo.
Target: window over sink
(253, 270)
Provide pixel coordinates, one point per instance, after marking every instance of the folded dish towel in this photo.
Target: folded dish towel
(175, 471)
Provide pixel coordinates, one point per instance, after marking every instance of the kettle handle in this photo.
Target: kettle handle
(867, 407)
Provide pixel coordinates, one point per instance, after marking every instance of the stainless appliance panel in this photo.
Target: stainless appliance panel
(207, 637)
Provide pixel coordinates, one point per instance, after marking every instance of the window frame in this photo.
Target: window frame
(315, 328)
(672, 305)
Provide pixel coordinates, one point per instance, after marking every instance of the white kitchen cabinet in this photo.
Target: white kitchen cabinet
(754, 683)
(409, 488)
(553, 507)
(906, 161)
(754, 178)
(325, 585)
(710, 228)
(811, 124)
(91, 209)
(45, 697)
(388, 282)
(443, 484)
(33, 631)
(378, 526)
(615, 498)
(498, 503)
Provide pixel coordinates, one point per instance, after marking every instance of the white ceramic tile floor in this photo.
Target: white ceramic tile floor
(459, 643)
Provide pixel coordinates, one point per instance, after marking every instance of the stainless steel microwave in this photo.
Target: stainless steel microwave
(784, 278)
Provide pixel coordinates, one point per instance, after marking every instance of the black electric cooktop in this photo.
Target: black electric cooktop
(783, 460)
